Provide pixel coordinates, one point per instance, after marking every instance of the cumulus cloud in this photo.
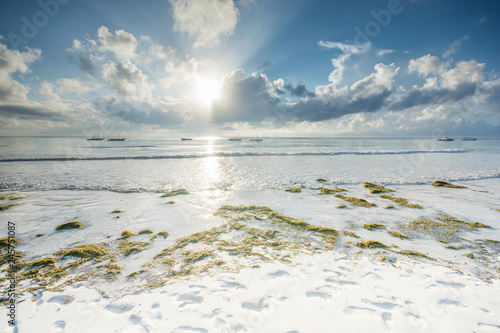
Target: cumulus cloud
(207, 21)
(299, 90)
(71, 85)
(186, 71)
(245, 97)
(127, 80)
(121, 43)
(425, 65)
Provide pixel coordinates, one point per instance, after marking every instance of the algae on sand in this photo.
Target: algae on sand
(415, 254)
(400, 201)
(398, 234)
(130, 247)
(84, 251)
(356, 201)
(370, 244)
(445, 184)
(293, 190)
(175, 193)
(325, 191)
(376, 188)
(70, 225)
(373, 226)
(350, 234)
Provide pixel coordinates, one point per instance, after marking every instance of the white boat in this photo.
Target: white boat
(117, 139)
(187, 139)
(95, 138)
(469, 138)
(445, 138)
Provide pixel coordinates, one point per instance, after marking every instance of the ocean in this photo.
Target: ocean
(160, 164)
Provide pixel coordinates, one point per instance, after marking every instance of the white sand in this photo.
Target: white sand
(342, 290)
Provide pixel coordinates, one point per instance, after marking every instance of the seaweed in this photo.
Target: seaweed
(164, 234)
(469, 255)
(356, 201)
(389, 207)
(194, 256)
(130, 247)
(491, 241)
(169, 202)
(325, 191)
(321, 180)
(400, 201)
(341, 206)
(127, 234)
(134, 274)
(370, 244)
(145, 231)
(293, 190)
(175, 193)
(373, 226)
(70, 225)
(112, 270)
(452, 247)
(445, 184)
(43, 262)
(7, 242)
(376, 188)
(116, 211)
(415, 254)
(5, 207)
(398, 234)
(170, 262)
(350, 234)
(462, 224)
(84, 251)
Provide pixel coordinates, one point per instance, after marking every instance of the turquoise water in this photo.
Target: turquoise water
(159, 164)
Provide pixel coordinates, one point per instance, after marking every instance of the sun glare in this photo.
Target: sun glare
(208, 90)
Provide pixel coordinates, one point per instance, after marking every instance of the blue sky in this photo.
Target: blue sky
(220, 67)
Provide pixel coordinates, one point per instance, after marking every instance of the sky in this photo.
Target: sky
(272, 67)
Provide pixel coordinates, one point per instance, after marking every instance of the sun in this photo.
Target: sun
(208, 90)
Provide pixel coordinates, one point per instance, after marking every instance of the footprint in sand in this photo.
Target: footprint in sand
(229, 284)
(278, 274)
(318, 294)
(383, 305)
(340, 275)
(332, 279)
(386, 316)
(118, 308)
(61, 299)
(451, 284)
(189, 299)
(253, 306)
(197, 286)
(155, 306)
(354, 310)
(61, 324)
(448, 301)
(190, 329)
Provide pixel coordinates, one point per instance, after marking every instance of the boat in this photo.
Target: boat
(469, 138)
(258, 139)
(95, 138)
(117, 139)
(236, 138)
(187, 139)
(445, 138)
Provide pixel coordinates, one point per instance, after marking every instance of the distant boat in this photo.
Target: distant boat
(236, 138)
(258, 139)
(445, 138)
(469, 138)
(187, 139)
(95, 138)
(117, 139)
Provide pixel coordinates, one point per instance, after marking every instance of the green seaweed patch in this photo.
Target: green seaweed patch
(398, 234)
(400, 201)
(145, 231)
(169, 202)
(126, 234)
(169, 262)
(376, 188)
(38, 235)
(469, 255)
(194, 256)
(70, 225)
(442, 241)
(445, 184)
(164, 234)
(321, 180)
(84, 251)
(350, 234)
(373, 226)
(136, 273)
(175, 193)
(116, 211)
(493, 241)
(370, 244)
(341, 206)
(389, 207)
(265, 234)
(415, 254)
(7, 242)
(5, 207)
(462, 224)
(43, 262)
(293, 190)
(11, 196)
(356, 201)
(325, 191)
(111, 270)
(130, 247)
(478, 225)
(452, 247)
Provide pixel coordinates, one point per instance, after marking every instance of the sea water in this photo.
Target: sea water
(208, 163)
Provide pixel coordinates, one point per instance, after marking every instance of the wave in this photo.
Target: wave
(230, 154)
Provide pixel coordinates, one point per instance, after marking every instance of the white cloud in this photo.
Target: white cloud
(185, 72)
(455, 46)
(208, 21)
(127, 80)
(122, 43)
(425, 65)
(72, 85)
(46, 90)
(465, 72)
